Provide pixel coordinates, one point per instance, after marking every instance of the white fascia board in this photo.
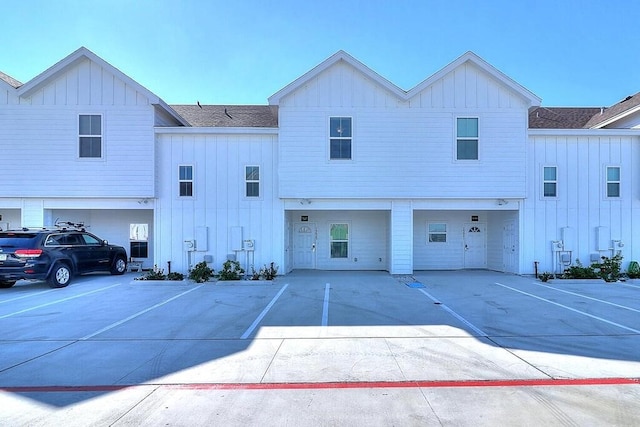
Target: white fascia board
(172, 112)
(584, 132)
(525, 93)
(215, 130)
(326, 64)
(617, 117)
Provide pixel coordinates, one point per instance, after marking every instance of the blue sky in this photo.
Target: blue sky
(568, 52)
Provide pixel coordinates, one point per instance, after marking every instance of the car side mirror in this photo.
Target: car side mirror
(105, 242)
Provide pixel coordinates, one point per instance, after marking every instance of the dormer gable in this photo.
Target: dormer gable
(623, 115)
(83, 78)
(342, 70)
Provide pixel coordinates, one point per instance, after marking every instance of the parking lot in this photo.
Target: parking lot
(321, 348)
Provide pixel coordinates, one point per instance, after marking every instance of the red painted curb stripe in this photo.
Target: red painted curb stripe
(335, 385)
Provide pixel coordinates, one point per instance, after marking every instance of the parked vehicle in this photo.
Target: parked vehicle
(56, 255)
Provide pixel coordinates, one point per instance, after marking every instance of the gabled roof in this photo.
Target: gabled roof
(80, 55)
(624, 108)
(9, 80)
(402, 94)
(530, 97)
(265, 116)
(561, 117)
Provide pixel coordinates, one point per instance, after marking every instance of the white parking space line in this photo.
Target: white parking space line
(325, 305)
(630, 285)
(473, 327)
(256, 322)
(59, 301)
(571, 309)
(140, 313)
(35, 294)
(624, 307)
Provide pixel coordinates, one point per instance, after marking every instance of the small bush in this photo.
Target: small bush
(544, 277)
(270, 272)
(231, 270)
(579, 271)
(155, 274)
(255, 275)
(633, 271)
(609, 268)
(175, 276)
(201, 272)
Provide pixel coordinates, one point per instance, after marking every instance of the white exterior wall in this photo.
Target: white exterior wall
(219, 201)
(402, 149)
(581, 159)
(46, 123)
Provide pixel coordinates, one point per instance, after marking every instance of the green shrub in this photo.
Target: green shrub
(633, 271)
(270, 272)
(609, 268)
(231, 270)
(155, 274)
(201, 272)
(545, 276)
(579, 271)
(175, 276)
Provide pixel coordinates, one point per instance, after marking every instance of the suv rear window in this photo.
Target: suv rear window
(15, 240)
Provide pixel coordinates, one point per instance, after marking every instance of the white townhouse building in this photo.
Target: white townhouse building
(342, 170)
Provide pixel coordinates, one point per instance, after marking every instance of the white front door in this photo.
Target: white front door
(509, 247)
(304, 245)
(475, 245)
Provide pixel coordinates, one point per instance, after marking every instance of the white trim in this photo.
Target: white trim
(329, 138)
(159, 130)
(246, 181)
(192, 181)
(607, 182)
(617, 117)
(584, 132)
(543, 181)
(456, 138)
(102, 137)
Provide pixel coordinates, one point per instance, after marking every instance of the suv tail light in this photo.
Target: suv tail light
(28, 253)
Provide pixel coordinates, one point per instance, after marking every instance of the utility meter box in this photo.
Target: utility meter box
(249, 245)
(189, 245)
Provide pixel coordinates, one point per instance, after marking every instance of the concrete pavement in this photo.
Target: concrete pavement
(321, 348)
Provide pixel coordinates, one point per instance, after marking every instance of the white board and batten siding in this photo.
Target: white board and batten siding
(46, 122)
(219, 201)
(581, 204)
(402, 148)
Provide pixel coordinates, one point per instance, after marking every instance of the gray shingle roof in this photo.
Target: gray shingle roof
(622, 106)
(561, 117)
(229, 115)
(7, 78)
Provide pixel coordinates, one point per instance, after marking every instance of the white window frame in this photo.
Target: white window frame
(347, 240)
(248, 181)
(192, 181)
(465, 138)
(89, 135)
(437, 232)
(549, 181)
(607, 181)
(341, 138)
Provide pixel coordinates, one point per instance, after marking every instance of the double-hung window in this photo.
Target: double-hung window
(339, 235)
(340, 134)
(90, 135)
(185, 180)
(467, 138)
(437, 232)
(550, 181)
(613, 181)
(252, 181)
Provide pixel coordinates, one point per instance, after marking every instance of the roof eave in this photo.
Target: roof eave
(615, 118)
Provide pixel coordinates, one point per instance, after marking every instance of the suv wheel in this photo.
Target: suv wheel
(119, 266)
(5, 285)
(60, 276)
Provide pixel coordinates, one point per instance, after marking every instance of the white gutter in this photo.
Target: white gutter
(159, 130)
(583, 132)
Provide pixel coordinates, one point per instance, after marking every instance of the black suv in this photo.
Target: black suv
(56, 255)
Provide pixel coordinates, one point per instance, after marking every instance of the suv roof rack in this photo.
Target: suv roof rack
(65, 225)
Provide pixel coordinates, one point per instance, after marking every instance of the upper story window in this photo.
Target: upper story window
(185, 180)
(90, 135)
(550, 181)
(340, 138)
(252, 181)
(467, 138)
(437, 232)
(613, 181)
